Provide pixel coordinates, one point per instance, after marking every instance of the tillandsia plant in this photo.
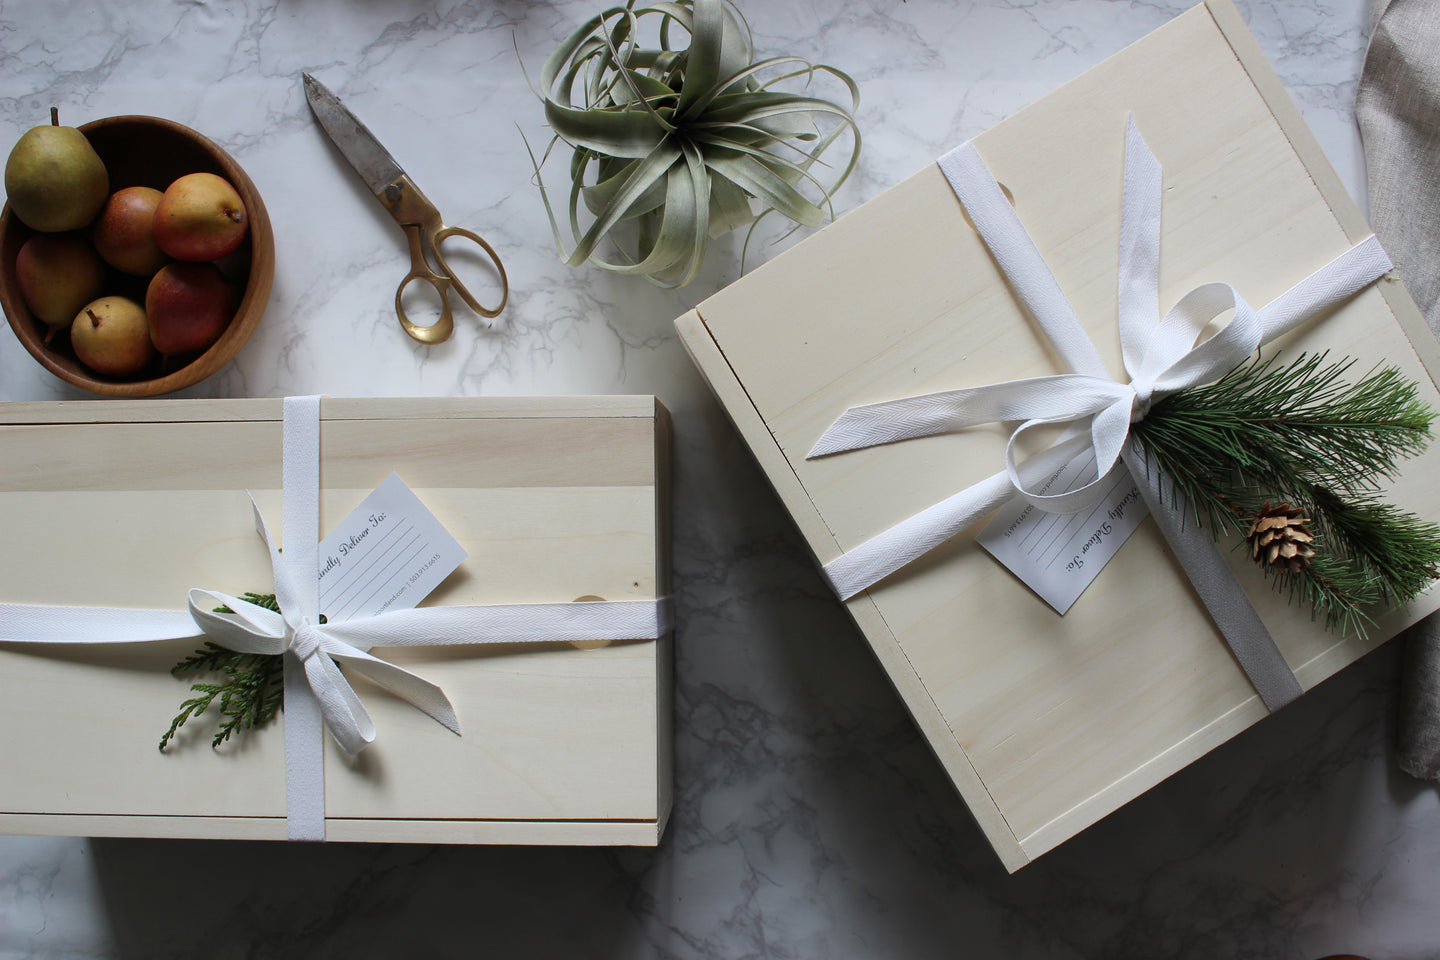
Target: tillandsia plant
(1290, 458)
(682, 145)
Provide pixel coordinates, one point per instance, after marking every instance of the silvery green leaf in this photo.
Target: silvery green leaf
(729, 207)
(763, 183)
(628, 134)
(645, 173)
(685, 141)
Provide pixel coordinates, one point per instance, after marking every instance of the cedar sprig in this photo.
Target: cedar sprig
(1301, 434)
(252, 691)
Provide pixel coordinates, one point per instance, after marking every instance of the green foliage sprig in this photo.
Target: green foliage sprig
(252, 691)
(678, 141)
(1303, 435)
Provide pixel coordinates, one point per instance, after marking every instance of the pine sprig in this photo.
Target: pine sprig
(1401, 551)
(1335, 589)
(1303, 435)
(250, 695)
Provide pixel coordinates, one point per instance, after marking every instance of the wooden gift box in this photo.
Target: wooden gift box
(1048, 723)
(133, 503)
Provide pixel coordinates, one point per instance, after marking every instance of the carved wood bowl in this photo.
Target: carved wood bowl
(149, 151)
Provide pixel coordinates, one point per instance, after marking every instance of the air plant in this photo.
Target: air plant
(684, 145)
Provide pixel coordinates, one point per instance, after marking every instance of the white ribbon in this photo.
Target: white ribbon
(317, 694)
(1162, 355)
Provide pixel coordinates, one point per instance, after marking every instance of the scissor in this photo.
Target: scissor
(416, 215)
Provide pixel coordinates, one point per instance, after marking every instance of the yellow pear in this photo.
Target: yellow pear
(112, 337)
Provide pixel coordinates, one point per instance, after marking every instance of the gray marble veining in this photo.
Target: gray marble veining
(811, 820)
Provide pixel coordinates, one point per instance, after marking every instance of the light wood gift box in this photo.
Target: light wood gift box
(1047, 723)
(133, 503)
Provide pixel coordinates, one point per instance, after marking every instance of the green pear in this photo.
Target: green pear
(58, 273)
(54, 179)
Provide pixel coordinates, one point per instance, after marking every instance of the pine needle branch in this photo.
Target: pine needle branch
(1300, 434)
(1399, 550)
(1335, 590)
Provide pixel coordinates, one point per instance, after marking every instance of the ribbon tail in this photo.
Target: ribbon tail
(1138, 287)
(1246, 635)
(1054, 399)
(412, 688)
(345, 715)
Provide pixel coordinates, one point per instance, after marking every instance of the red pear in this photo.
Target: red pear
(111, 337)
(188, 305)
(124, 233)
(200, 217)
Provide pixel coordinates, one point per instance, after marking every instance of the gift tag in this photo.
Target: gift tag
(1058, 555)
(388, 554)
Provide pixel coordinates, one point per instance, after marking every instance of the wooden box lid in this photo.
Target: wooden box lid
(133, 503)
(1047, 723)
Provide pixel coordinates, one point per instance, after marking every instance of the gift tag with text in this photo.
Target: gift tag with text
(1058, 555)
(388, 554)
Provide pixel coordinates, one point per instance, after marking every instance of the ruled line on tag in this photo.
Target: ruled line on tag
(388, 554)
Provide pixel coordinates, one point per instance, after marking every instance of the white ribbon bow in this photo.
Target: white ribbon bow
(1161, 356)
(253, 629)
(321, 647)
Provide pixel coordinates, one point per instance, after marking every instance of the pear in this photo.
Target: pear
(54, 179)
(112, 337)
(124, 232)
(58, 273)
(200, 217)
(188, 306)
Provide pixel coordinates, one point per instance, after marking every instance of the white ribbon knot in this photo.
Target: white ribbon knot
(306, 642)
(1162, 355)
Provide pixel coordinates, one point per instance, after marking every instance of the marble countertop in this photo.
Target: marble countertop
(811, 821)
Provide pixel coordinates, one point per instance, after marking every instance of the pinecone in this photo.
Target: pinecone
(1280, 537)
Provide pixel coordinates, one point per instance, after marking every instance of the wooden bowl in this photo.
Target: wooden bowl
(151, 152)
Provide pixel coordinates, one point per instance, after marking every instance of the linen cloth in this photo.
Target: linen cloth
(1397, 106)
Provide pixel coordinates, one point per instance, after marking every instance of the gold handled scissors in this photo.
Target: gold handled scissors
(417, 216)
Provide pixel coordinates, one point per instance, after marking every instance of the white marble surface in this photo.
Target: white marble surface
(811, 821)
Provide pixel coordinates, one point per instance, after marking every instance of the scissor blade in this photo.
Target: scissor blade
(372, 161)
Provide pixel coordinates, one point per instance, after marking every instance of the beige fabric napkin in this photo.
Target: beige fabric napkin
(1398, 109)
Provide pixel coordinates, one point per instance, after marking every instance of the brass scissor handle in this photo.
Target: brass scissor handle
(425, 232)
